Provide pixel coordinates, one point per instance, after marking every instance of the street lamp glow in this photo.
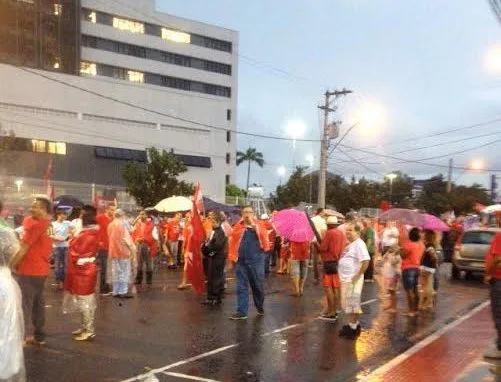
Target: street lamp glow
(370, 116)
(391, 176)
(477, 164)
(281, 171)
(296, 129)
(492, 60)
(18, 183)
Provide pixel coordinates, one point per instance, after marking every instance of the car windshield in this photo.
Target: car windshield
(478, 237)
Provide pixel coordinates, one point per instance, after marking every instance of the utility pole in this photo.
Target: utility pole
(449, 177)
(330, 131)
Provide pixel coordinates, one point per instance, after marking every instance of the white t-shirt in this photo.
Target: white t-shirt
(76, 224)
(390, 237)
(351, 260)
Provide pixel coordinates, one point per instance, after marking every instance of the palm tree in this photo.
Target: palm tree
(251, 155)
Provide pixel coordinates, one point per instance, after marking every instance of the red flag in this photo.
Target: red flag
(198, 198)
(194, 269)
(47, 182)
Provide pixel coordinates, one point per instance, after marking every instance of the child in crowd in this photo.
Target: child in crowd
(284, 257)
(391, 275)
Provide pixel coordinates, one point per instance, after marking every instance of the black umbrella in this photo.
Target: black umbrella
(312, 225)
(68, 200)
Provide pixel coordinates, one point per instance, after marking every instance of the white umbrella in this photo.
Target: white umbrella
(174, 204)
(492, 209)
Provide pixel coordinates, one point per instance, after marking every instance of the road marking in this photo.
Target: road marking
(369, 301)
(379, 372)
(192, 377)
(212, 352)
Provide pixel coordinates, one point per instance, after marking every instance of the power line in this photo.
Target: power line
(359, 163)
(126, 103)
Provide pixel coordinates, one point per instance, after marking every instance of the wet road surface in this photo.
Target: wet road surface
(168, 331)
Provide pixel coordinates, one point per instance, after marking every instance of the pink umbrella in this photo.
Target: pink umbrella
(293, 225)
(434, 224)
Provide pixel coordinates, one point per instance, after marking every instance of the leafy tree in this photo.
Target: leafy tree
(250, 156)
(157, 179)
(295, 191)
(235, 191)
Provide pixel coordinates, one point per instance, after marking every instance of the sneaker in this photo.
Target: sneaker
(328, 317)
(493, 353)
(344, 331)
(77, 332)
(238, 316)
(209, 302)
(85, 336)
(34, 341)
(353, 334)
(127, 295)
(107, 294)
(260, 312)
(182, 286)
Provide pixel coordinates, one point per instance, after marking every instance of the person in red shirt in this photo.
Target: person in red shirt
(412, 252)
(172, 234)
(104, 220)
(493, 279)
(300, 253)
(331, 249)
(162, 228)
(272, 235)
(142, 235)
(31, 265)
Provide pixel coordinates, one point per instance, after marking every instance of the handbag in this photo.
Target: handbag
(330, 267)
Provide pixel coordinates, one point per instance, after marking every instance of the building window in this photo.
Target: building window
(228, 158)
(57, 148)
(176, 83)
(58, 9)
(228, 114)
(135, 76)
(92, 17)
(38, 146)
(128, 25)
(88, 68)
(175, 36)
(228, 180)
(228, 136)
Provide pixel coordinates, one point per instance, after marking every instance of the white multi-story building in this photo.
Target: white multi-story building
(115, 78)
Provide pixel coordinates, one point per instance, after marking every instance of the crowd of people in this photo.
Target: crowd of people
(114, 253)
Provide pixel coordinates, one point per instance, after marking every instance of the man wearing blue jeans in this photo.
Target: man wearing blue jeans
(247, 247)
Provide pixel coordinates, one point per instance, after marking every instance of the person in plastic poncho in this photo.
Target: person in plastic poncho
(11, 313)
(81, 280)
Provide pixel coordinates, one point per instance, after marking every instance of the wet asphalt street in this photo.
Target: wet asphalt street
(171, 333)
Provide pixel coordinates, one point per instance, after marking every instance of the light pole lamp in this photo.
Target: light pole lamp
(281, 173)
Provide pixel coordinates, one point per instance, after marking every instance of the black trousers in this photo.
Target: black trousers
(214, 272)
(32, 289)
(369, 273)
(496, 307)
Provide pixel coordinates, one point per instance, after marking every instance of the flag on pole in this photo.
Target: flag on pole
(194, 269)
(199, 199)
(47, 180)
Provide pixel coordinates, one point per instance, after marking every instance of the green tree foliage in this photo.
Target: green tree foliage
(157, 179)
(235, 191)
(250, 156)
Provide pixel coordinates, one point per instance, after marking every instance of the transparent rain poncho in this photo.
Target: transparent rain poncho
(11, 314)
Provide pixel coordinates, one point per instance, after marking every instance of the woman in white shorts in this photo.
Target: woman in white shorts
(351, 269)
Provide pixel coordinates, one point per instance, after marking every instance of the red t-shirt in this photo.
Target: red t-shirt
(414, 252)
(333, 245)
(103, 221)
(494, 250)
(300, 251)
(173, 231)
(36, 236)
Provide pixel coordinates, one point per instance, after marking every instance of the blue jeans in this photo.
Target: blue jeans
(410, 279)
(250, 271)
(267, 259)
(59, 255)
(120, 269)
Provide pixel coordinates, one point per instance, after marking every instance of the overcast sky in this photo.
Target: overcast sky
(423, 62)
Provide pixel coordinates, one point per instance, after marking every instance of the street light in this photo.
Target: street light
(391, 177)
(492, 60)
(477, 164)
(281, 173)
(18, 183)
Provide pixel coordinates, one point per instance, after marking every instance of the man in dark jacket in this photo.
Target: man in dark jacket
(214, 251)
